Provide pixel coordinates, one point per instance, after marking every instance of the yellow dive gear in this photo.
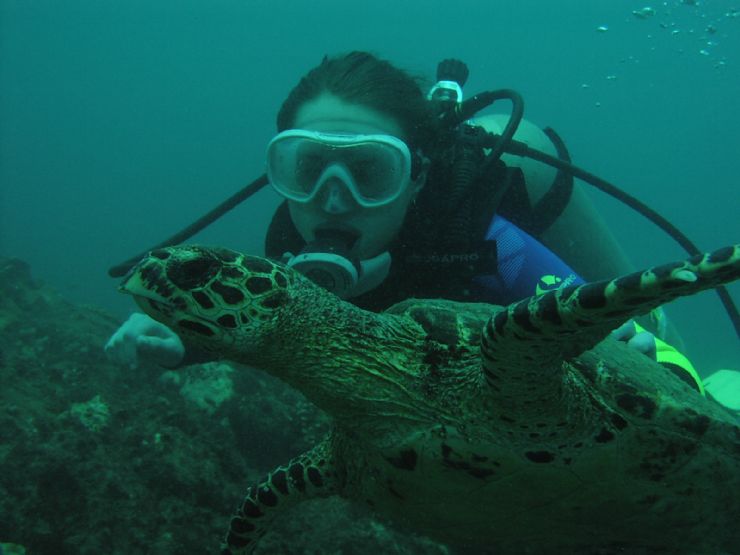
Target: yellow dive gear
(669, 356)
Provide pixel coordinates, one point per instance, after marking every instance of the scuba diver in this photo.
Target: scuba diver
(391, 193)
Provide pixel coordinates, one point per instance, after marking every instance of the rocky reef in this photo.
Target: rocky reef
(97, 458)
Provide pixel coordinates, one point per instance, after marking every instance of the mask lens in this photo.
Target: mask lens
(310, 160)
(377, 170)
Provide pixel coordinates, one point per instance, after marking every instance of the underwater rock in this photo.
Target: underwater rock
(93, 415)
(210, 388)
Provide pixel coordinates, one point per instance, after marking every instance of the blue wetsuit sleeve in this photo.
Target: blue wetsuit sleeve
(525, 266)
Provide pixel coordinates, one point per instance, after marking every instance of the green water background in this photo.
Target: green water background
(121, 122)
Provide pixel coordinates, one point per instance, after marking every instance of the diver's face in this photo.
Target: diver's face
(334, 206)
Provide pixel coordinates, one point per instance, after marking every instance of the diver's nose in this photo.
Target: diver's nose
(336, 199)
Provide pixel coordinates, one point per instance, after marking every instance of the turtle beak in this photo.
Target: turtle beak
(129, 282)
(146, 283)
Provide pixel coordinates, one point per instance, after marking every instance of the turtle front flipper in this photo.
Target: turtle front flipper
(307, 476)
(524, 345)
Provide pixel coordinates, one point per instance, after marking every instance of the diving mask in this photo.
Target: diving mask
(375, 168)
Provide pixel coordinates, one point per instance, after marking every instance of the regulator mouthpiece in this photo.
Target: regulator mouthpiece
(326, 261)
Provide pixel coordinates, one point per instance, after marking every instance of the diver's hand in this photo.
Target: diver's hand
(643, 341)
(143, 338)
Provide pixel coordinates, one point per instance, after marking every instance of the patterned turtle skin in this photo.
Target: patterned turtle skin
(517, 429)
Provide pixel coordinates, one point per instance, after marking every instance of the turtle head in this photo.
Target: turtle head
(215, 297)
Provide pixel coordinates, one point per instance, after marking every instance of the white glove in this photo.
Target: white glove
(643, 341)
(143, 338)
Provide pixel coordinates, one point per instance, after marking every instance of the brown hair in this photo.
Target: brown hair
(362, 78)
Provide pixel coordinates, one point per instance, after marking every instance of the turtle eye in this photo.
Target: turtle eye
(162, 254)
(193, 272)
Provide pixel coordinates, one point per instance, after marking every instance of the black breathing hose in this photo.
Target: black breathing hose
(467, 165)
(517, 113)
(234, 200)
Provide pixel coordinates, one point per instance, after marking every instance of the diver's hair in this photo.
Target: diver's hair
(362, 78)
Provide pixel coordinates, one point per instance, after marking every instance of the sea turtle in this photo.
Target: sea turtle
(519, 429)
